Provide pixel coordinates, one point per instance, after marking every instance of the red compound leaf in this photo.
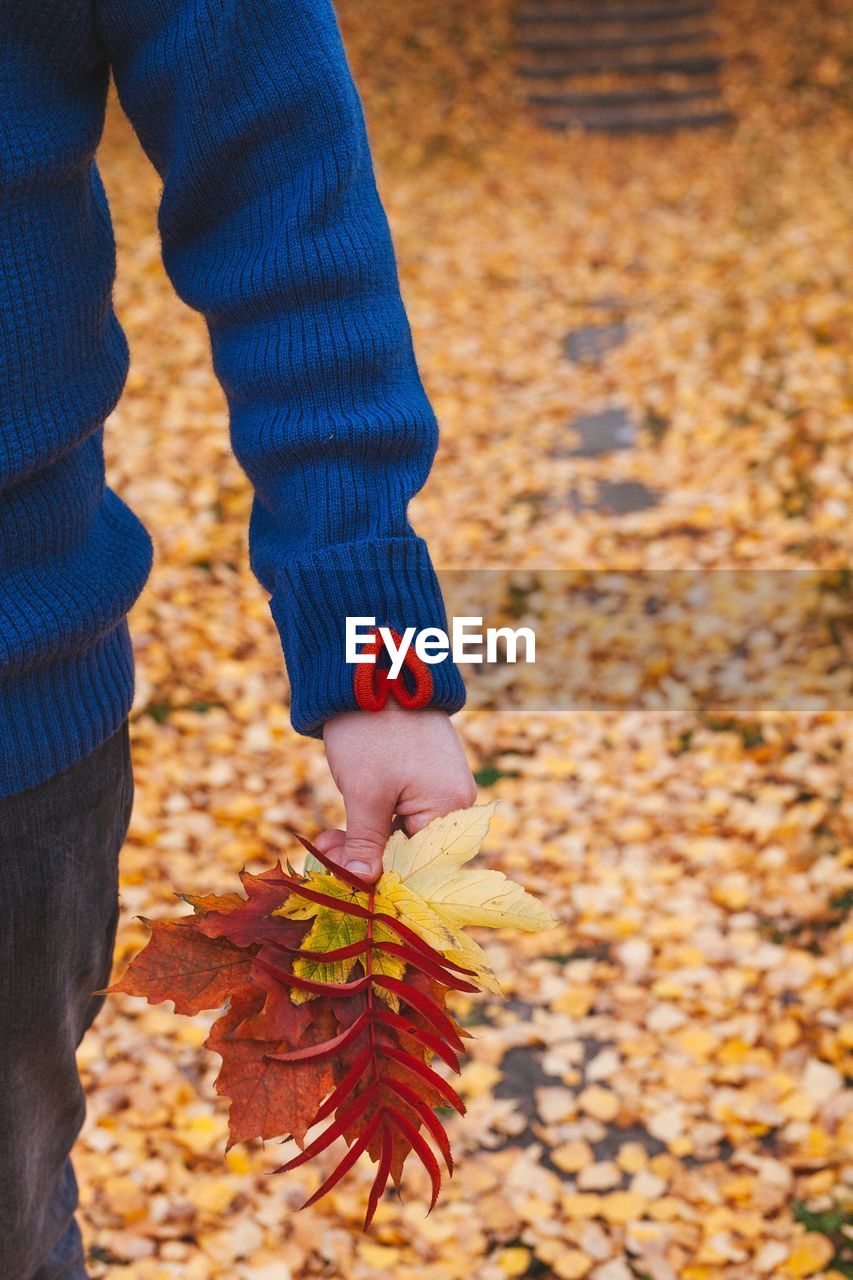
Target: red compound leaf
(427, 1116)
(361, 1144)
(339, 953)
(327, 1048)
(348, 1116)
(424, 964)
(424, 1073)
(382, 1172)
(416, 941)
(426, 1007)
(345, 905)
(421, 1150)
(342, 873)
(328, 990)
(399, 1024)
(364, 1060)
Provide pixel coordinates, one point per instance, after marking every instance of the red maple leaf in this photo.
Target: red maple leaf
(268, 1098)
(179, 963)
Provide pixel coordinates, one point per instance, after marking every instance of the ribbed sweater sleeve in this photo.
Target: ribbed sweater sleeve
(272, 227)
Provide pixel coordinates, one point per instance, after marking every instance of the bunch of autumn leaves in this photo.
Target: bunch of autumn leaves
(336, 994)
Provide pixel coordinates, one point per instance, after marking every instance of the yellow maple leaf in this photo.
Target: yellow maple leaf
(424, 876)
(414, 911)
(445, 843)
(470, 955)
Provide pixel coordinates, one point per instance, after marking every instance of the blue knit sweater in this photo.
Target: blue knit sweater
(271, 227)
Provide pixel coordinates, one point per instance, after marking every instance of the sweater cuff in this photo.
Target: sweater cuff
(391, 580)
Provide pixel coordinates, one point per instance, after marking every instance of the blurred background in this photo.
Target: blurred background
(637, 340)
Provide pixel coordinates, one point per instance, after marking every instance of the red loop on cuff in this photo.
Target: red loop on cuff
(371, 683)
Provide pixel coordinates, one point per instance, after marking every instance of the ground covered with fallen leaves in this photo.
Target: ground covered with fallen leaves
(660, 1094)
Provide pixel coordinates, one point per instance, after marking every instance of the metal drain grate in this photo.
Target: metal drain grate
(623, 66)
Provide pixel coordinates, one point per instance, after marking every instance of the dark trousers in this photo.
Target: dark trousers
(59, 846)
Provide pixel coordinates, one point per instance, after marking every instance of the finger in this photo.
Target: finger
(415, 822)
(461, 797)
(368, 829)
(328, 840)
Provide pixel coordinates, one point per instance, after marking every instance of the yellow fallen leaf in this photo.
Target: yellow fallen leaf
(212, 1196)
(598, 1102)
(238, 1160)
(573, 1156)
(632, 1157)
(514, 1261)
(576, 1001)
(378, 1256)
(623, 1206)
(798, 1106)
(571, 1264)
(809, 1255)
(604, 1175)
(581, 1205)
(565, 1263)
(477, 1079)
(699, 1042)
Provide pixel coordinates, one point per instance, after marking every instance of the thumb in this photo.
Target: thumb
(368, 829)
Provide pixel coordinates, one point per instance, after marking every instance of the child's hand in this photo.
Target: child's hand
(408, 763)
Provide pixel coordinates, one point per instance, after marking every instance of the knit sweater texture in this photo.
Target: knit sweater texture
(272, 228)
